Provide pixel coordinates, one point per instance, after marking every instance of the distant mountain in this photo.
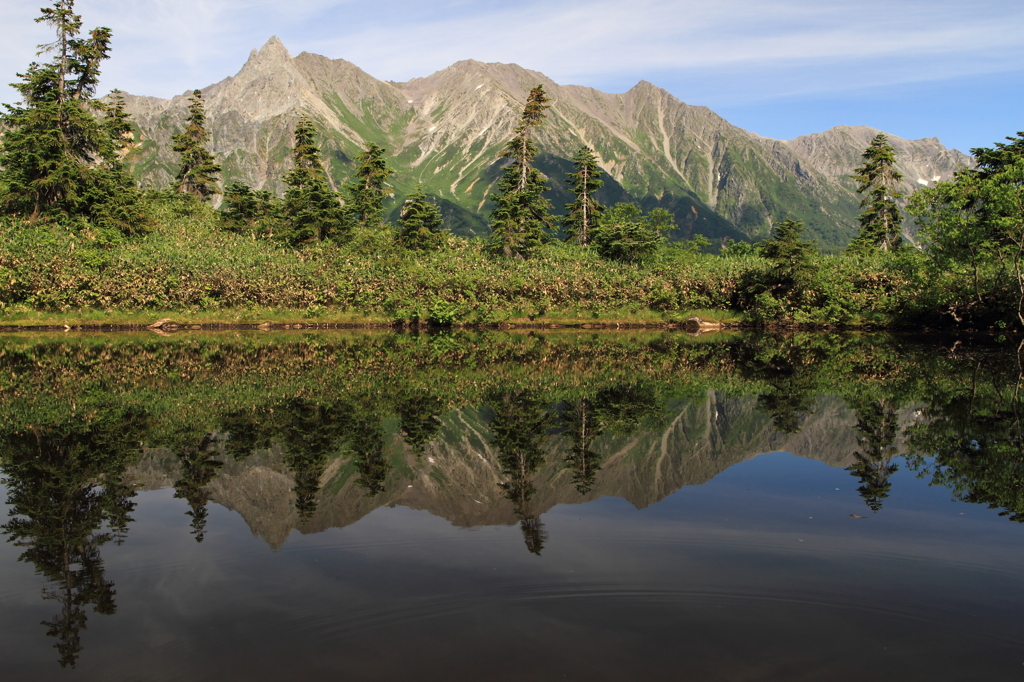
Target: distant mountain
(447, 131)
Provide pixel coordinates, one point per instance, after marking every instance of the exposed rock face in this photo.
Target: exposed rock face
(457, 477)
(837, 151)
(447, 131)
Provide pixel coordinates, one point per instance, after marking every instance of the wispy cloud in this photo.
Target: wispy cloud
(730, 52)
(166, 46)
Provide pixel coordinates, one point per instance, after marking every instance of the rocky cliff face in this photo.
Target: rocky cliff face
(458, 475)
(447, 131)
(837, 151)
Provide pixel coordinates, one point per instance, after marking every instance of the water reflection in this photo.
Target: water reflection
(878, 430)
(518, 429)
(67, 499)
(466, 426)
(198, 468)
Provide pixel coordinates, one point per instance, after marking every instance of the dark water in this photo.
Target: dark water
(500, 507)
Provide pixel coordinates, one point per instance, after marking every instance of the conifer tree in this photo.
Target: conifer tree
(198, 174)
(520, 217)
(582, 214)
(792, 257)
(249, 211)
(367, 190)
(420, 223)
(312, 210)
(880, 223)
(58, 159)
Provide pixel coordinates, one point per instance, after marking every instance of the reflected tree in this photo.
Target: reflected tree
(198, 468)
(624, 408)
(971, 438)
(791, 371)
(368, 449)
(68, 498)
(619, 409)
(419, 419)
(582, 426)
(518, 429)
(310, 433)
(878, 427)
(247, 431)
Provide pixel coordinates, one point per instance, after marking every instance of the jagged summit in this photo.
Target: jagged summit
(273, 49)
(448, 130)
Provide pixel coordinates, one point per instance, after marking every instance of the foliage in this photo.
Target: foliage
(249, 211)
(367, 190)
(312, 211)
(976, 221)
(198, 174)
(880, 223)
(59, 160)
(624, 234)
(420, 223)
(520, 219)
(788, 283)
(583, 214)
(735, 249)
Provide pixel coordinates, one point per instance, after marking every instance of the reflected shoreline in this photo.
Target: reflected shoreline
(314, 433)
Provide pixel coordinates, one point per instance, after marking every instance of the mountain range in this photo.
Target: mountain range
(447, 132)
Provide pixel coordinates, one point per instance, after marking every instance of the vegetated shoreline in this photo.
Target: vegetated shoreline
(165, 323)
(189, 271)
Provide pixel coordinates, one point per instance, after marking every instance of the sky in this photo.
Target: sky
(779, 68)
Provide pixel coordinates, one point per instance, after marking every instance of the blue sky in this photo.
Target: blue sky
(780, 68)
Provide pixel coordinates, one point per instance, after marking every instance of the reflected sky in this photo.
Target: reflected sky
(465, 507)
(760, 573)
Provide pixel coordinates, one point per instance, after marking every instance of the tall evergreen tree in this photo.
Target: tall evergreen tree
(198, 173)
(312, 210)
(420, 223)
(520, 217)
(880, 223)
(368, 188)
(58, 159)
(583, 213)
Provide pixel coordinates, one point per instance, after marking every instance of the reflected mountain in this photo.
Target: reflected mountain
(515, 457)
(316, 433)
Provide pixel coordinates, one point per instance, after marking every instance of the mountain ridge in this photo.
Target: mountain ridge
(447, 131)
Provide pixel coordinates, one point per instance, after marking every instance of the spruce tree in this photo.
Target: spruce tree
(247, 210)
(792, 258)
(880, 223)
(582, 214)
(367, 190)
(312, 210)
(198, 174)
(420, 223)
(520, 219)
(58, 159)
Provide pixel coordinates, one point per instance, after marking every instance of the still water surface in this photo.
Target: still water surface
(467, 507)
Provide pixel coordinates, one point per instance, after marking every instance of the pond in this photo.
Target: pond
(503, 505)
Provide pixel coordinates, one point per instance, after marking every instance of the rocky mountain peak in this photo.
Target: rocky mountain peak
(448, 131)
(272, 51)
